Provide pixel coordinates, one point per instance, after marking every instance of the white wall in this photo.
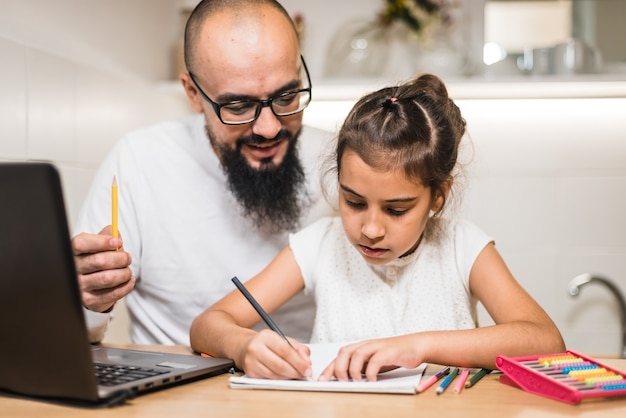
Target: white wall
(132, 38)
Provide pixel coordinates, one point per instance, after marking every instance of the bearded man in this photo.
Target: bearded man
(213, 195)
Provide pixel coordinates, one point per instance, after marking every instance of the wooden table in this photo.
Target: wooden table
(212, 397)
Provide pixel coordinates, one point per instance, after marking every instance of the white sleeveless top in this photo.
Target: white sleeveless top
(427, 290)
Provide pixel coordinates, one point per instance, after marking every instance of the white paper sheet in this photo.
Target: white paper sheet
(400, 380)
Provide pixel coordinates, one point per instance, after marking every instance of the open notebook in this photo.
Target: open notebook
(401, 381)
(45, 351)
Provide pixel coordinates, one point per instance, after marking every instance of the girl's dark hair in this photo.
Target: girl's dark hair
(414, 127)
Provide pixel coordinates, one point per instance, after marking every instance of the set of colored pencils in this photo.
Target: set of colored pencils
(450, 375)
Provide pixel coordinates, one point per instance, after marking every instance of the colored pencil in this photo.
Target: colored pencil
(474, 379)
(462, 378)
(431, 380)
(446, 382)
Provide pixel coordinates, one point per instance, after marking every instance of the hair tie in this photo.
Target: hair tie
(389, 102)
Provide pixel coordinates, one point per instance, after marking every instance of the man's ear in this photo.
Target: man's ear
(195, 100)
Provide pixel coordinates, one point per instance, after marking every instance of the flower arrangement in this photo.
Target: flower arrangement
(421, 17)
(405, 36)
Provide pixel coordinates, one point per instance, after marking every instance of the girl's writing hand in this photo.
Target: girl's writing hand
(268, 356)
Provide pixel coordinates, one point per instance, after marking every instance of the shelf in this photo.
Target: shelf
(522, 87)
(579, 86)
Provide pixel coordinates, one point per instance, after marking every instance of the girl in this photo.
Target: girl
(391, 272)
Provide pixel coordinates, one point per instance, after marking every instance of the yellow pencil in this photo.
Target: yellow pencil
(114, 230)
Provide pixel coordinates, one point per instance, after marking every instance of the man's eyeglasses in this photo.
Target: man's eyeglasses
(239, 112)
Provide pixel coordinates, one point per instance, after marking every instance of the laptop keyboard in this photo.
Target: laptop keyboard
(115, 374)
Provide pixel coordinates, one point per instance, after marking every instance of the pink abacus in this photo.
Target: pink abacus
(569, 377)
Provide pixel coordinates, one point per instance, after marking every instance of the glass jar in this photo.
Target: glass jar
(358, 49)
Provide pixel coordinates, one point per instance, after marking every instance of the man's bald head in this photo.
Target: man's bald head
(237, 10)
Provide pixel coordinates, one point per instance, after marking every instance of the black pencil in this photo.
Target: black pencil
(266, 318)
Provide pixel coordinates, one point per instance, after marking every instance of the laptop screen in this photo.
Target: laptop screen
(45, 350)
(41, 343)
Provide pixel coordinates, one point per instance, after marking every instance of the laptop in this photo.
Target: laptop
(45, 351)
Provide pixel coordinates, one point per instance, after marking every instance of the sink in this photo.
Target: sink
(582, 280)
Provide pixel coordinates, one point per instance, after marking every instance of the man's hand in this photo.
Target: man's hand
(104, 275)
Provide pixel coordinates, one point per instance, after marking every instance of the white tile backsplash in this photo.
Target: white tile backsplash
(99, 114)
(12, 100)
(591, 212)
(51, 87)
(75, 180)
(511, 206)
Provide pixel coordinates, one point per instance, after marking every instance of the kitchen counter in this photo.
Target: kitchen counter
(522, 87)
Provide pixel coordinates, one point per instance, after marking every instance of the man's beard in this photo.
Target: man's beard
(273, 196)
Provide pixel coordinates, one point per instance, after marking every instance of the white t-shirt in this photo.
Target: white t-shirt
(184, 230)
(426, 290)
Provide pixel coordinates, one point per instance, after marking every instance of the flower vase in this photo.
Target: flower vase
(439, 56)
(405, 53)
(358, 49)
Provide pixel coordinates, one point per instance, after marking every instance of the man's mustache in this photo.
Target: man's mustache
(258, 139)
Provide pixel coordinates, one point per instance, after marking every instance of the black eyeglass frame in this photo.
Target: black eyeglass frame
(263, 103)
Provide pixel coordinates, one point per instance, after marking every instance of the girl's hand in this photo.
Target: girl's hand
(372, 357)
(267, 356)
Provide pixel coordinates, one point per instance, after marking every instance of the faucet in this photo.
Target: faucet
(579, 281)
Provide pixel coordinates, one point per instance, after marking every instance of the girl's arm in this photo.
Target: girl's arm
(223, 330)
(521, 327)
